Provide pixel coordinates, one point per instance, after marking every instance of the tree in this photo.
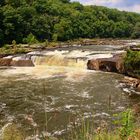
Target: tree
(12, 23)
(63, 20)
(40, 6)
(136, 32)
(63, 30)
(2, 2)
(122, 30)
(15, 3)
(41, 27)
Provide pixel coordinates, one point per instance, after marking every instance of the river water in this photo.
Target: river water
(60, 90)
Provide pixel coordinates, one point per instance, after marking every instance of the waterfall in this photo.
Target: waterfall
(60, 60)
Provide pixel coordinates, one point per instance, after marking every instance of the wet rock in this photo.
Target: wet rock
(22, 63)
(5, 61)
(93, 64)
(113, 64)
(134, 47)
(132, 83)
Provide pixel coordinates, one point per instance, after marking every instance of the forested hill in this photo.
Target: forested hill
(63, 20)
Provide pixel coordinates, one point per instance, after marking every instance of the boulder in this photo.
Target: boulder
(5, 61)
(93, 64)
(113, 64)
(22, 63)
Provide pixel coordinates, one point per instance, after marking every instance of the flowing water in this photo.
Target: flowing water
(61, 90)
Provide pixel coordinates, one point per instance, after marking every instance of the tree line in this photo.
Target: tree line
(61, 20)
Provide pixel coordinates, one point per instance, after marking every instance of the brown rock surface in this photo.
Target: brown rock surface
(132, 82)
(113, 64)
(5, 61)
(138, 87)
(22, 63)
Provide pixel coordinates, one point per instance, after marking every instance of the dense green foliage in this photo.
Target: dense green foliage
(61, 20)
(132, 63)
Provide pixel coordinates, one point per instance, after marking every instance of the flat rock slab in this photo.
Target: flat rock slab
(22, 63)
(113, 64)
(17, 63)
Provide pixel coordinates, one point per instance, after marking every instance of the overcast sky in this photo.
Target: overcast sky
(127, 5)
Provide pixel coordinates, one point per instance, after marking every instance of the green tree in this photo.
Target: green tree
(136, 32)
(41, 27)
(63, 20)
(63, 30)
(122, 30)
(12, 23)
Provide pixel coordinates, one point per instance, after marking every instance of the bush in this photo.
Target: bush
(127, 123)
(46, 43)
(14, 43)
(20, 50)
(132, 62)
(6, 46)
(31, 39)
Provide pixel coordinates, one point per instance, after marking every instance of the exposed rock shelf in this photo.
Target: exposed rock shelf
(132, 83)
(16, 62)
(112, 64)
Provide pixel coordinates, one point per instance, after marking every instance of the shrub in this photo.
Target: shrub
(132, 62)
(46, 43)
(127, 124)
(31, 39)
(6, 46)
(14, 43)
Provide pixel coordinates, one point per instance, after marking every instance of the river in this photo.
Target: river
(60, 90)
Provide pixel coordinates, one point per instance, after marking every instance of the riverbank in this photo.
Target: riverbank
(10, 49)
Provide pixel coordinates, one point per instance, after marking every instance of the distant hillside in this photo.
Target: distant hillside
(63, 20)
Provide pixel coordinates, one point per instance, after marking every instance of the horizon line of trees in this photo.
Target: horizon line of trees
(61, 20)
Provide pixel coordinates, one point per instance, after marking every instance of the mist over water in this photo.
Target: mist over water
(61, 86)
